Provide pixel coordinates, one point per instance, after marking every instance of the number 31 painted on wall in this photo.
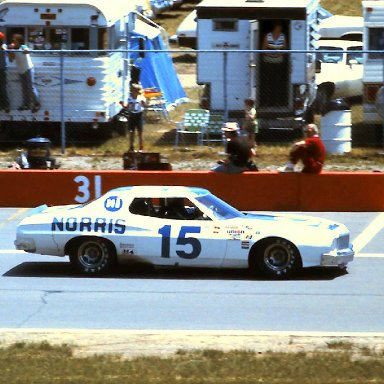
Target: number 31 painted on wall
(182, 239)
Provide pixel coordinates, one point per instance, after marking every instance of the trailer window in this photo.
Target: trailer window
(43, 38)
(376, 42)
(80, 38)
(225, 25)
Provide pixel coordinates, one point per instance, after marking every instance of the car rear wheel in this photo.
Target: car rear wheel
(92, 256)
(277, 258)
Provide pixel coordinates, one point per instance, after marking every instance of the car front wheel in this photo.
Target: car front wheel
(277, 258)
(92, 256)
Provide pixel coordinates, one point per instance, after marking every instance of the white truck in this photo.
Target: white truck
(82, 58)
(235, 29)
(373, 75)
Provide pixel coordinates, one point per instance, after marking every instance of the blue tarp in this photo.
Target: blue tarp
(157, 70)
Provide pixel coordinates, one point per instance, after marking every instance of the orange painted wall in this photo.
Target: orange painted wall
(247, 191)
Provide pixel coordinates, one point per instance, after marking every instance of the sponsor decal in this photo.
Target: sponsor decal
(127, 249)
(87, 224)
(113, 203)
(53, 81)
(124, 245)
(245, 245)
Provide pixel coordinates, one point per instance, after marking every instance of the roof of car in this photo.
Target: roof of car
(342, 44)
(162, 190)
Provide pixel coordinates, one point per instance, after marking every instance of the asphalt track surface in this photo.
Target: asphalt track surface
(42, 293)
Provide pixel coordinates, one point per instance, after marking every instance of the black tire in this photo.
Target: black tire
(92, 256)
(277, 258)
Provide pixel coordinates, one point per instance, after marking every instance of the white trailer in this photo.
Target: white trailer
(373, 41)
(77, 87)
(236, 26)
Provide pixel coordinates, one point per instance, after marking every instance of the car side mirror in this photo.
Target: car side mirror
(318, 66)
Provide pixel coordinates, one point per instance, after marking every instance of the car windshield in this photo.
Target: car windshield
(354, 53)
(219, 208)
(330, 57)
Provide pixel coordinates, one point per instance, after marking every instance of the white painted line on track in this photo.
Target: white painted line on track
(10, 251)
(370, 255)
(191, 332)
(369, 233)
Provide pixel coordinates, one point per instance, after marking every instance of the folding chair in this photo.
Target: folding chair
(214, 131)
(195, 121)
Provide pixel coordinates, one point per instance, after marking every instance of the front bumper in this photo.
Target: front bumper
(337, 258)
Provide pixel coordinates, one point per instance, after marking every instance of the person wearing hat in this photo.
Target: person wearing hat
(136, 106)
(239, 151)
(310, 151)
(4, 102)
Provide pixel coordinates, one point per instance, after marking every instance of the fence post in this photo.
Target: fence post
(225, 85)
(62, 120)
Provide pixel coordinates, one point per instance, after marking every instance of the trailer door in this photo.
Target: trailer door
(254, 57)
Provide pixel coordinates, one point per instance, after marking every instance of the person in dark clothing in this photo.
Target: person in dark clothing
(239, 152)
(310, 151)
(177, 210)
(4, 102)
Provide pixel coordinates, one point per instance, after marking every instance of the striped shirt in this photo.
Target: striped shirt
(278, 43)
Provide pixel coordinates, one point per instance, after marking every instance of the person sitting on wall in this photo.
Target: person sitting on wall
(311, 152)
(238, 149)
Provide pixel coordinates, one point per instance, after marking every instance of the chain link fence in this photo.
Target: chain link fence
(82, 94)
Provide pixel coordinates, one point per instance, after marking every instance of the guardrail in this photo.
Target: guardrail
(329, 191)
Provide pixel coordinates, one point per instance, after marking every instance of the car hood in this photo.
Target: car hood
(292, 220)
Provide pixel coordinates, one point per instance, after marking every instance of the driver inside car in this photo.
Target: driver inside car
(176, 209)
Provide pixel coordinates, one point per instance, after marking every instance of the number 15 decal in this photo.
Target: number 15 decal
(182, 239)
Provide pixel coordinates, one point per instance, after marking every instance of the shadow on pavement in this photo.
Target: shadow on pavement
(144, 271)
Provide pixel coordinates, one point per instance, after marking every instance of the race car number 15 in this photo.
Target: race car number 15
(182, 239)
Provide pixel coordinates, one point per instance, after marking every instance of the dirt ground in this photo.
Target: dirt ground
(131, 343)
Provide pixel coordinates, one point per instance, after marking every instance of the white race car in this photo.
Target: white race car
(181, 226)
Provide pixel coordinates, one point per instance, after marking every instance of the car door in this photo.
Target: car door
(163, 237)
(196, 243)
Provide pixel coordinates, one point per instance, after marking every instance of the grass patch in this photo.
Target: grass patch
(43, 363)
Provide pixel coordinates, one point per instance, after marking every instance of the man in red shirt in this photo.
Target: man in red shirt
(311, 152)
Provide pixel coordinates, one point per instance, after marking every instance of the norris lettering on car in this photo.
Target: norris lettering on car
(85, 224)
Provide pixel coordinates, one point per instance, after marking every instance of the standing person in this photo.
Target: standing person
(136, 106)
(273, 64)
(250, 121)
(239, 152)
(4, 102)
(311, 152)
(20, 54)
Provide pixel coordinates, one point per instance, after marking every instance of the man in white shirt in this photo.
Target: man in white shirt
(20, 54)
